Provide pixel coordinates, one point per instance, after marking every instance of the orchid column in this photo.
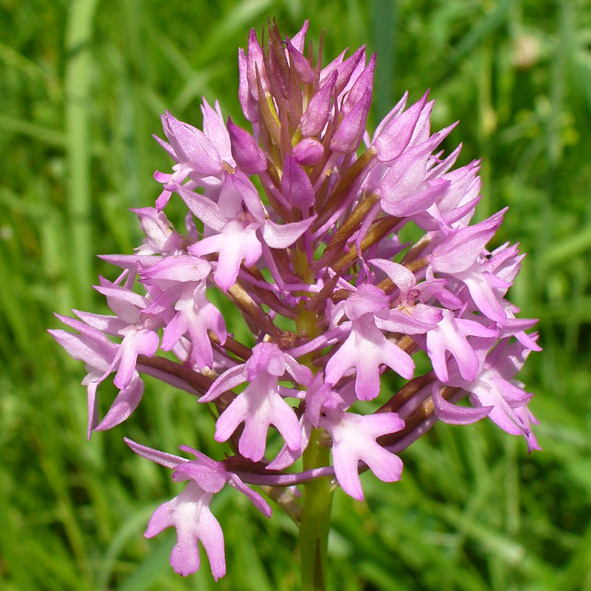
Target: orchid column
(298, 224)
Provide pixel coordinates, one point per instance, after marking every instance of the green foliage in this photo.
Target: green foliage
(81, 86)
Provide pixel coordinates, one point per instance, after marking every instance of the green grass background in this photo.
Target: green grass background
(82, 84)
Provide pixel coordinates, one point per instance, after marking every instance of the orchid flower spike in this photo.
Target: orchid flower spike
(293, 228)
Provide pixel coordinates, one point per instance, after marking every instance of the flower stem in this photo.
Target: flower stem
(315, 523)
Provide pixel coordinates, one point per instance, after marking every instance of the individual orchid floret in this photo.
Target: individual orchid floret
(136, 341)
(261, 404)
(344, 68)
(296, 185)
(181, 280)
(299, 63)
(404, 189)
(456, 207)
(247, 100)
(486, 291)
(103, 357)
(131, 322)
(495, 387)
(366, 348)
(189, 512)
(299, 39)
(242, 227)
(190, 146)
(256, 70)
(359, 85)
(458, 256)
(308, 152)
(97, 352)
(354, 440)
(462, 248)
(396, 131)
(195, 316)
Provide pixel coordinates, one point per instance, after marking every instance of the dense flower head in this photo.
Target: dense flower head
(299, 221)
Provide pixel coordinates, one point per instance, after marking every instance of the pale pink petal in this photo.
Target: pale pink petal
(457, 415)
(124, 404)
(284, 235)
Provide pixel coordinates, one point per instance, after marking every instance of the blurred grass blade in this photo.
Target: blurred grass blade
(384, 17)
(565, 250)
(489, 23)
(78, 92)
(47, 136)
(133, 526)
(155, 565)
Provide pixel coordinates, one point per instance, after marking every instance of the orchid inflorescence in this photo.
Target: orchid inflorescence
(299, 224)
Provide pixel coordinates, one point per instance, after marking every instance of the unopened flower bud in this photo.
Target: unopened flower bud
(351, 129)
(315, 118)
(308, 152)
(295, 185)
(248, 156)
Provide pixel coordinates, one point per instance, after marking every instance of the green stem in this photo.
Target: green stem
(317, 501)
(315, 523)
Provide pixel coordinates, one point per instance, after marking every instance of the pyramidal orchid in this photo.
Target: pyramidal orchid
(297, 223)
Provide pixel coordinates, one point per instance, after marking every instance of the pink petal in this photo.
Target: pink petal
(159, 457)
(203, 208)
(124, 404)
(457, 415)
(228, 380)
(284, 235)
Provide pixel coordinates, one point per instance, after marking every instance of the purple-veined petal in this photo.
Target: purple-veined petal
(228, 380)
(159, 457)
(256, 499)
(210, 476)
(391, 141)
(457, 415)
(124, 404)
(203, 208)
(216, 131)
(460, 250)
(284, 235)
(191, 144)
